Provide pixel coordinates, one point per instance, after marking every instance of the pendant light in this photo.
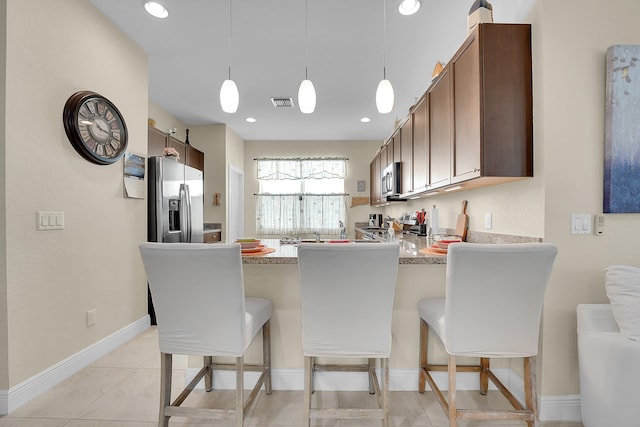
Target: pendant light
(409, 7)
(229, 96)
(306, 93)
(384, 93)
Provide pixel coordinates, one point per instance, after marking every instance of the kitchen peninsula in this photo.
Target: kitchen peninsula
(275, 276)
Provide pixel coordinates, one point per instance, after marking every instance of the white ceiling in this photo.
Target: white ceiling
(189, 58)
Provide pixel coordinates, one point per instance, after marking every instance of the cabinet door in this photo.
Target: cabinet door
(389, 150)
(420, 153)
(440, 131)
(179, 147)
(397, 146)
(375, 187)
(156, 141)
(465, 75)
(406, 155)
(195, 158)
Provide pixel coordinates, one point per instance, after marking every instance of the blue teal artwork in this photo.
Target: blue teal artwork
(622, 130)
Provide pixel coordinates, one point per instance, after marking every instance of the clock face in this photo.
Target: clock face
(95, 127)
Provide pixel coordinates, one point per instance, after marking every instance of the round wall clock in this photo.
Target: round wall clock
(95, 127)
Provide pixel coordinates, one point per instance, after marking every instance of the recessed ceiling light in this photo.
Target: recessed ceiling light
(365, 120)
(409, 7)
(154, 8)
(250, 120)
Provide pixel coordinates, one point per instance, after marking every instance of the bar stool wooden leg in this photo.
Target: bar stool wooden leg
(484, 378)
(165, 387)
(308, 387)
(453, 421)
(266, 354)
(385, 391)
(530, 393)
(208, 378)
(371, 372)
(424, 336)
(239, 391)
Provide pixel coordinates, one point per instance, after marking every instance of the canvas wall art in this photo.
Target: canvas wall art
(622, 130)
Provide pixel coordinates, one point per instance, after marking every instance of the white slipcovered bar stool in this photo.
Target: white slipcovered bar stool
(198, 295)
(492, 309)
(347, 293)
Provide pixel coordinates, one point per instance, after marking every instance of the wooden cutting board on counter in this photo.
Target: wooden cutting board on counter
(462, 224)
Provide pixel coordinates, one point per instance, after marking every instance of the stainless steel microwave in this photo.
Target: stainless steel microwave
(392, 180)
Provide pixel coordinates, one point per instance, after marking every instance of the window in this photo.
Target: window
(300, 196)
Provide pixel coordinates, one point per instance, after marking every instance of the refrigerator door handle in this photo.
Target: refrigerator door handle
(189, 213)
(185, 235)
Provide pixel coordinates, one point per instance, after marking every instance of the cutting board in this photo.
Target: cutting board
(462, 224)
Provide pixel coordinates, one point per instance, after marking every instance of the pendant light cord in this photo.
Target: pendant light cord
(230, 34)
(306, 38)
(384, 39)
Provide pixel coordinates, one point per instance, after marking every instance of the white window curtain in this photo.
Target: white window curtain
(300, 196)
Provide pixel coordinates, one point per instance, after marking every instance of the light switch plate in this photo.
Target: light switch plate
(47, 220)
(581, 223)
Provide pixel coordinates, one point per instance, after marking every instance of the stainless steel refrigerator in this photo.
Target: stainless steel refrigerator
(175, 206)
(175, 202)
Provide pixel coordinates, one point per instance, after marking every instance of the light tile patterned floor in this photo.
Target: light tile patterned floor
(122, 390)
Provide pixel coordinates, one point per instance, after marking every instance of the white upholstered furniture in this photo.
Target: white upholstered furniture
(609, 373)
(198, 295)
(492, 308)
(347, 293)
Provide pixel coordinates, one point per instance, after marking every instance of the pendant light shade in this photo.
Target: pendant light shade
(409, 7)
(384, 97)
(229, 96)
(307, 97)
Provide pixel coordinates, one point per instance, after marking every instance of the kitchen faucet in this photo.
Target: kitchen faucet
(343, 231)
(317, 234)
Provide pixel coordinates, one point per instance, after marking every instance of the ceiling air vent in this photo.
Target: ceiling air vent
(282, 102)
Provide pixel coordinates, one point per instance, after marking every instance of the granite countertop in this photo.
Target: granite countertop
(287, 253)
(410, 246)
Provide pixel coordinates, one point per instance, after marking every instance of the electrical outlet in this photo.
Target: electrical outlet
(488, 221)
(91, 317)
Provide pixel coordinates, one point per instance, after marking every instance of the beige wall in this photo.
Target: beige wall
(53, 278)
(165, 121)
(359, 153)
(211, 140)
(575, 37)
(4, 343)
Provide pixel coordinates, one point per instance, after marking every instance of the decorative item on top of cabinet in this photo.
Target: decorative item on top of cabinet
(481, 12)
(158, 140)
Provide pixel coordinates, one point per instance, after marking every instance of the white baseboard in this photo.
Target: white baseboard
(561, 408)
(552, 408)
(32, 387)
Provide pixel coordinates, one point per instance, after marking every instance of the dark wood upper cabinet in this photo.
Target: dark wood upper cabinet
(158, 140)
(194, 158)
(440, 131)
(492, 103)
(473, 127)
(179, 146)
(375, 190)
(406, 155)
